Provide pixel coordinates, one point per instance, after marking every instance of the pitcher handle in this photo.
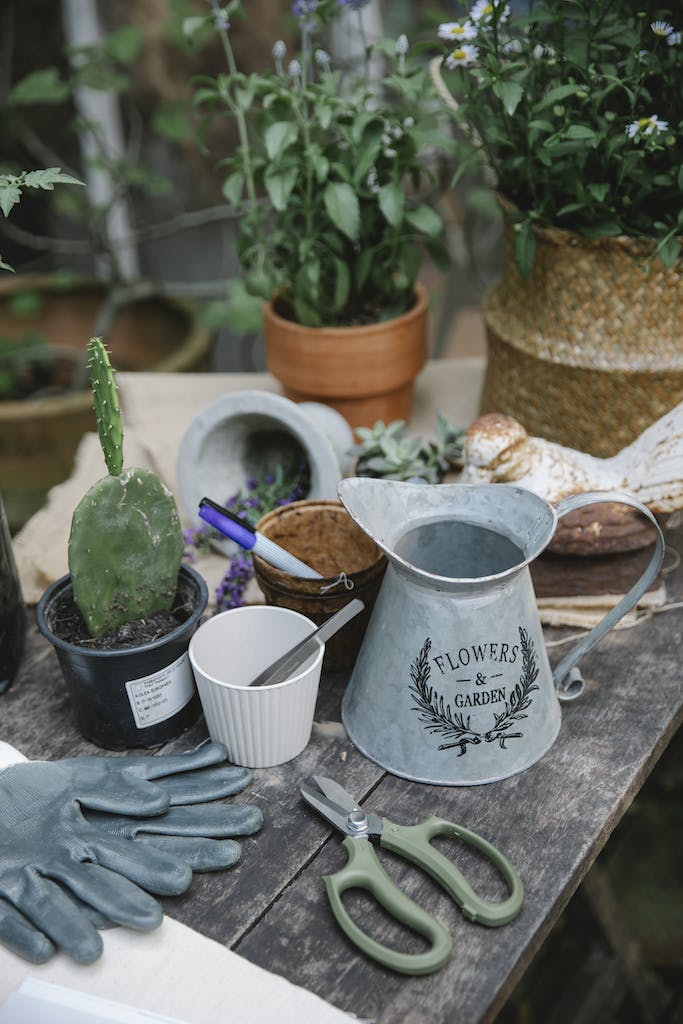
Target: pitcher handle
(567, 677)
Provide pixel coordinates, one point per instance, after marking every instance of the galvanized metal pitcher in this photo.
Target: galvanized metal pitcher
(452, 684)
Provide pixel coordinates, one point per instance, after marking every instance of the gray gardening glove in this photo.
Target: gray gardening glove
(106, 858)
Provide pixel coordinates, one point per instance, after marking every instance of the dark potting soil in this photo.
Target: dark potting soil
(67, 623)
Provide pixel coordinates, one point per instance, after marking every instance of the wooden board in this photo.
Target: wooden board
(551, 821)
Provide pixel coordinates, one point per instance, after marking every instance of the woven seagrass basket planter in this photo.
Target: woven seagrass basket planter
(588, 351)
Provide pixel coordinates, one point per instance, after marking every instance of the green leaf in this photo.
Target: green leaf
(426, 220)
(343, 209)
(579, 131)
(560, 92)
(391, 199)
(363, 267)
(43, 86)
(278, 137)
(279, 183)
(170, 122)
(193, 25)
(599, 191)
(669, 250)
(48, 177)
(10, 194)
(233, 186)
(510, 94)
(439, 254)
(342, 285)
(124, 44)
(324, 115)
(680, 177)
(525, 247)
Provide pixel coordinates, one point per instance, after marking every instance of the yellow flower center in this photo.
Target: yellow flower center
(459, 55)
(488, 10)
(457, 30)
(643, 121)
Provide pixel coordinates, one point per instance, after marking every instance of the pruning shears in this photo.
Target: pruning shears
(412, 842)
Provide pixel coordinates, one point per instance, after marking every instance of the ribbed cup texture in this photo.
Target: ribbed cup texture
(262, 727)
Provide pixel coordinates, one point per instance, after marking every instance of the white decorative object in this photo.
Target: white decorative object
(499, 450)
(245, 434)
(268, 725)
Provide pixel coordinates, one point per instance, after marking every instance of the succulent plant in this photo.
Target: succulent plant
(386, 451)
(126, 542)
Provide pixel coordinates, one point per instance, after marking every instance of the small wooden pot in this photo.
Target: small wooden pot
(366, 373)
(323, 534)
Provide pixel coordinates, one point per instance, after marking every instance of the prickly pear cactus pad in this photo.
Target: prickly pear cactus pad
(125, 549)
(126, 542)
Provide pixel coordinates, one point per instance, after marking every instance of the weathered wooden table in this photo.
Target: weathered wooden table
(551, 821)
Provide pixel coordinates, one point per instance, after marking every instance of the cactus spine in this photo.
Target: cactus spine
(126, 542)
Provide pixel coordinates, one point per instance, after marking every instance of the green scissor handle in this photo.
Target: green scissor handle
(414, 843)
(364, 871)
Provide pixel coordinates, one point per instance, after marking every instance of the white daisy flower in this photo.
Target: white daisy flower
(661, 28)
(456, 31)
(462, 57)
(646, 126)
(483, 11)
(674, 39)
(402, 45)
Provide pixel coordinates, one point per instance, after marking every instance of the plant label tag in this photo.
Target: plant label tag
(162, 694)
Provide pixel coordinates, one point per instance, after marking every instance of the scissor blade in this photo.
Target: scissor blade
(336, 793)
(335, 804)
(336, 814)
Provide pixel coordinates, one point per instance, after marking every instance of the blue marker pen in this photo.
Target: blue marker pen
(246, 536)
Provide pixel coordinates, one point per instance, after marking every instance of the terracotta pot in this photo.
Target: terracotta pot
(587, 351)
(39, 436)
(365, 373)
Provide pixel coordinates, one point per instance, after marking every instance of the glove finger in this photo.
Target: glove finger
(122, 793)
(200, 854)
(45, 904)
(210, 820)
(154, 870)
(21, 937)
(109, 893)
(209, 784)
(151, 767)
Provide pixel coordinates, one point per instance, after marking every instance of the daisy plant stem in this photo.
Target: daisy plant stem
(241, 122)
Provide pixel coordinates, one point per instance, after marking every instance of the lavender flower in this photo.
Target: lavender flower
(230, 591)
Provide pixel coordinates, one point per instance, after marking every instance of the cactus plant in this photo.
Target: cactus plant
(126, 543)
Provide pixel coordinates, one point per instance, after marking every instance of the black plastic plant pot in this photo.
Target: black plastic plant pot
(140, 696)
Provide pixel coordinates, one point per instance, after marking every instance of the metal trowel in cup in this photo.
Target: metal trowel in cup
(287, 664)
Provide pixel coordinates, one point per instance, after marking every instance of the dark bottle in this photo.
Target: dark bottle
(12, 611)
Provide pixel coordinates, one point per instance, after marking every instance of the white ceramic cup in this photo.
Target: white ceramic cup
(268, 725)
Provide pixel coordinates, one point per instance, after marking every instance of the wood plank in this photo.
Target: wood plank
(551, 820)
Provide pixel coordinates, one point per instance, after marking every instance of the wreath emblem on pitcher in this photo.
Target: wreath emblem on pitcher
(452, 725)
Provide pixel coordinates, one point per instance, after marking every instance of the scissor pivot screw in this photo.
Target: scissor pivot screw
(357, 821)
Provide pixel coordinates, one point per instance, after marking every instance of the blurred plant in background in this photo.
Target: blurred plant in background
(330, 176)
(577, 109)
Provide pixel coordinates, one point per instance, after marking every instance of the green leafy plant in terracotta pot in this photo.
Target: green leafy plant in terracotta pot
(331, 180)
(575, 110)
(122, 619)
